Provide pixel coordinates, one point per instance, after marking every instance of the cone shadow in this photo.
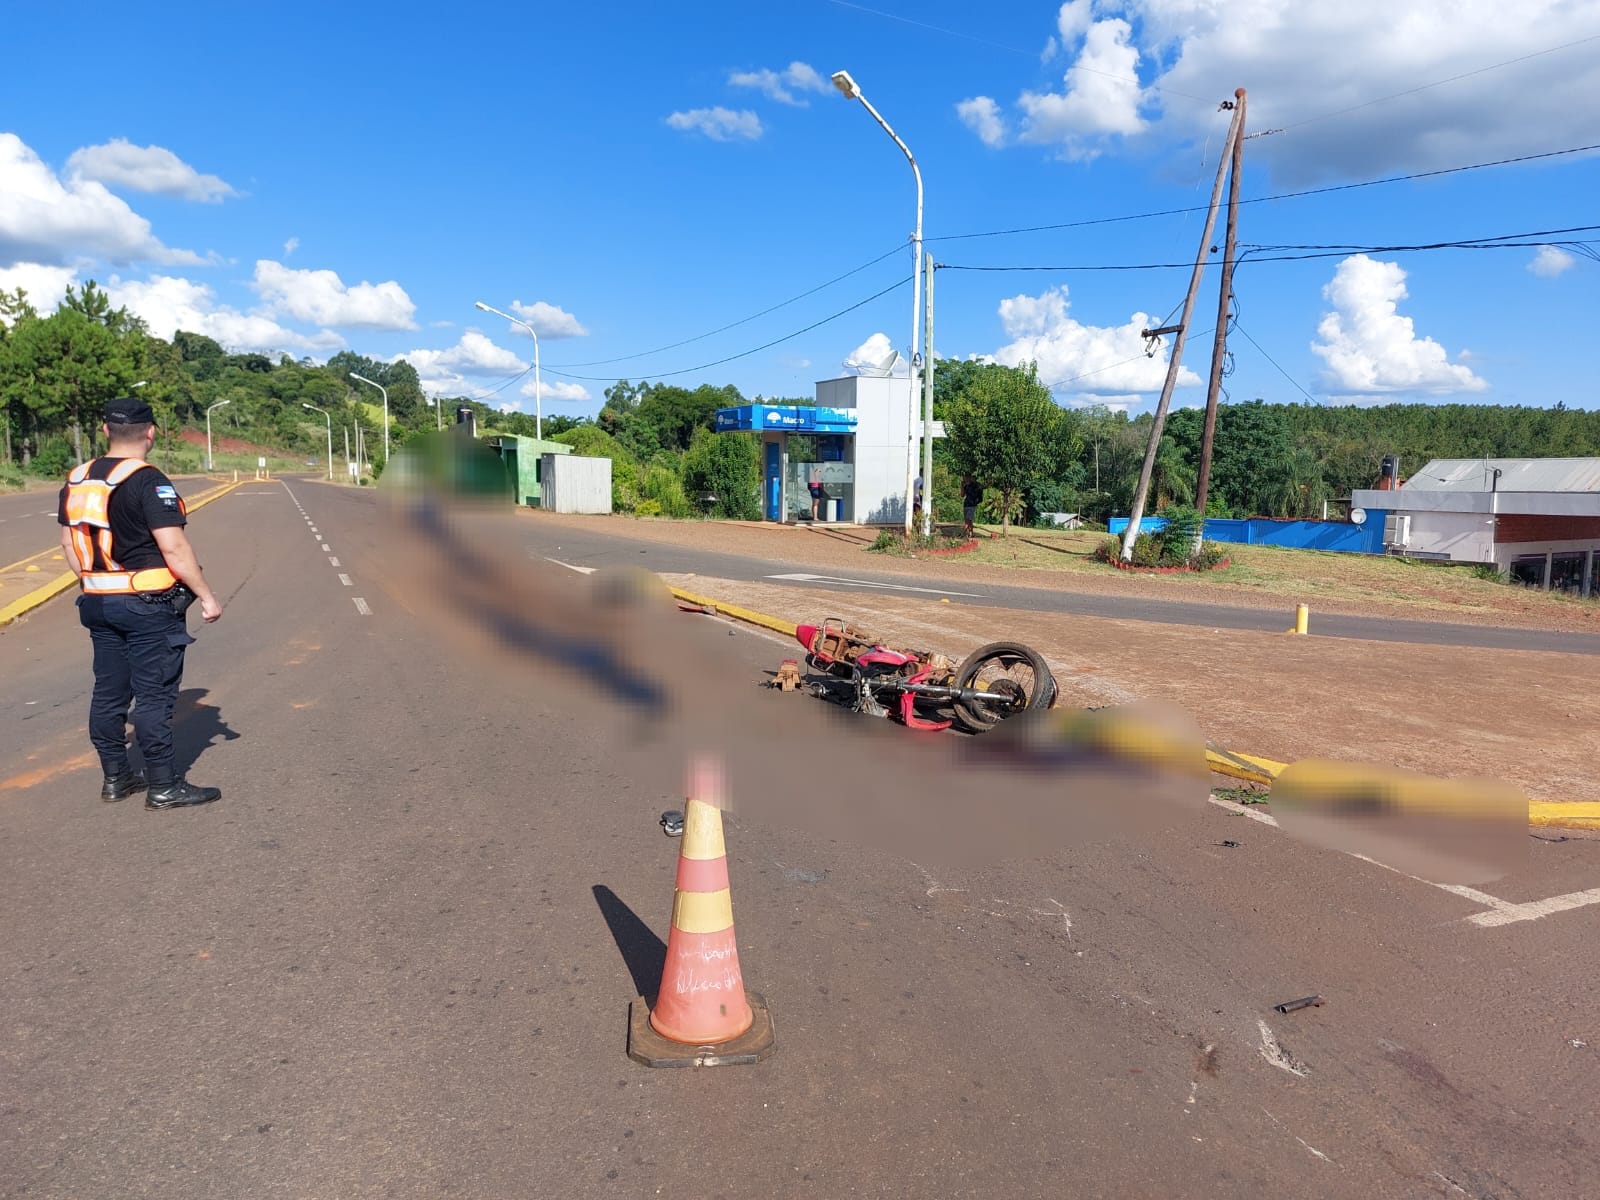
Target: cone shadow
(644, 953)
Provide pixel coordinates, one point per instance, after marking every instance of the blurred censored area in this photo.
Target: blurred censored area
(1458, 831)
(666, 688)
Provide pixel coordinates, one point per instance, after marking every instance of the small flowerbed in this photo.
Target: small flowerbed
(890, 542)
(1171, 550)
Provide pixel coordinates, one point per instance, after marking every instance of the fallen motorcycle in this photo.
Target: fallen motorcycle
(992, 683)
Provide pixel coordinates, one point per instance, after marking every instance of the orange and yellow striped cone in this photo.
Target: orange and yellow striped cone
(703, 1016)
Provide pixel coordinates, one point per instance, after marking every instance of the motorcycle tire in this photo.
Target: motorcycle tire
(1034, 692)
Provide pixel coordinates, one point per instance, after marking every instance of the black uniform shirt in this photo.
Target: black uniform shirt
(146, 500)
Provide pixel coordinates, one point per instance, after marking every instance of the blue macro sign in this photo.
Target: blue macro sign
(785, 418)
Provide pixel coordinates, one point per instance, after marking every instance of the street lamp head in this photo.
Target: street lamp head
(846, 85)
(140, 384)
(303, 404)
(363, 378)
(481, 305)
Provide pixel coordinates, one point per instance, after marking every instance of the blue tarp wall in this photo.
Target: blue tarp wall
(1299, 535)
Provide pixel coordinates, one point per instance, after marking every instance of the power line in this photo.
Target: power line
(600, 362)
(755, 350)
(1496, 242)
(1240, 328)
(1321, 191)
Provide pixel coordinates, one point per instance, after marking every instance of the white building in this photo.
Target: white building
(1536, 519)
(852, 447)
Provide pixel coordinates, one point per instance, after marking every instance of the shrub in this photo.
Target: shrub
(1487, 571)
(728, 466)
(648, 508)
(11, 478)
(885, 542)
(661, 484)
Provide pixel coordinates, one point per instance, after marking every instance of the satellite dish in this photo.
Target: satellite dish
(881, 369)
(1358, 516)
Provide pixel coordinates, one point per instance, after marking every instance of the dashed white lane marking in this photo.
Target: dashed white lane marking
(361, 606)
(325, 547)
(1499, 912)
(345, 579)
(571, 567)
(332, 561)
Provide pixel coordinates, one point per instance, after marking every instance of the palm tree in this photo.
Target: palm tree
(1172, 478)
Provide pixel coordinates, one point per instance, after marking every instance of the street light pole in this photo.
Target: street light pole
(385, 392)
(217, 405)
(329, 420)
(538, 387)
(852, 91)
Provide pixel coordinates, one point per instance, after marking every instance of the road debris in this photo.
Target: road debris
(1289, 1006)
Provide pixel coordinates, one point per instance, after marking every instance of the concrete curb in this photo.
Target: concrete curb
(1252, 768)
(61, 583)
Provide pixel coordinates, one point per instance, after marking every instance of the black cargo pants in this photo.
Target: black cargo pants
(138, 659)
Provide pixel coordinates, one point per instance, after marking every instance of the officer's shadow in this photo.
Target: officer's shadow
(195, 726)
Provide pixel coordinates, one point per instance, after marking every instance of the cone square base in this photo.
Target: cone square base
(647, 1046)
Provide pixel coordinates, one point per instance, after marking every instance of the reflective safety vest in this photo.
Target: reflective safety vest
(88, 518)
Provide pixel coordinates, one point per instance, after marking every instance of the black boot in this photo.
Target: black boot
(121, 785)
(180, 793)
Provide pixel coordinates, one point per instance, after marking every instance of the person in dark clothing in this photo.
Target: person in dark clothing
(971, 497)
(122, 530)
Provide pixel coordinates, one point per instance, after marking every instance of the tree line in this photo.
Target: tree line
(1005, 429)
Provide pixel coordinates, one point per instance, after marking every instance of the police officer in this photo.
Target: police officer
(122, 530)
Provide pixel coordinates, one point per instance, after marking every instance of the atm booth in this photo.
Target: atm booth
(807, 459)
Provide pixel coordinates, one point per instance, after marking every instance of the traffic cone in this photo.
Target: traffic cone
(703, 1017)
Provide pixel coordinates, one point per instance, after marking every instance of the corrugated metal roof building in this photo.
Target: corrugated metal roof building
(1537, 519)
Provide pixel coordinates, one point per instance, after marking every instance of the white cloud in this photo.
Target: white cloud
(1074, 18)
(549, 321)
(1355, 98)
(168, 304)
(982, 115)
(1303, 62)
(872, 353)
(443, 372)
(786, 86)
(52, 222)
(1551, 261)
(1370, 348)
(46, 285)
(1075, 357)
(322, 297)
(146, 169)
(719, 124)
(1101, 95)
(291, 246)
(558, 390)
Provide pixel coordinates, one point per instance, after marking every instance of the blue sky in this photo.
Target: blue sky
(316, 177)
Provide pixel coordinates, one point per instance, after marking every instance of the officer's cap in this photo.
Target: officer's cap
(129, 410)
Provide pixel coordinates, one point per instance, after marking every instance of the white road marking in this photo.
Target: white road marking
(1499, 912)
(570, 566)
(325, 547)
(361, 606)
(345, 579)
(837, 581)
(1508, 913)
(1275, 1054)
(332, 561)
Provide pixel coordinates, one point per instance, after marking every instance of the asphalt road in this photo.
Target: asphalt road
(586, 548)
(395, 960)
(28, 521)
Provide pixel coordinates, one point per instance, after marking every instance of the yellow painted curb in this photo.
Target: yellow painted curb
(748, 615)
(43, 595)
(1252, 768)
(36, 597)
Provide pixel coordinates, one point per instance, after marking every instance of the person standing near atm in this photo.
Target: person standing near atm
(122, 532)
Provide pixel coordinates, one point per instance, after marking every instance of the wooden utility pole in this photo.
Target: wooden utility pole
(1180, 332)
(1219, 341)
